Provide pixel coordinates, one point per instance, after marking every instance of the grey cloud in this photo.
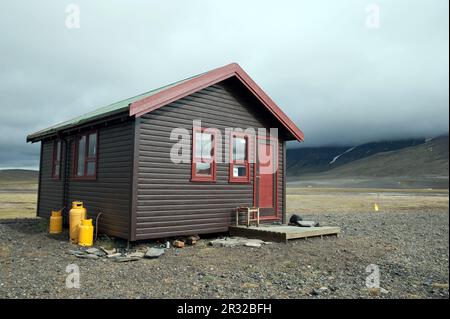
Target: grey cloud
(339, 81)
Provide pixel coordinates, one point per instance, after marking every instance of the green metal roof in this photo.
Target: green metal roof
(99, 113)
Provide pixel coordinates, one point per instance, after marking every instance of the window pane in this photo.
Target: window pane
(92, 152)
(239, 171)
(239, 149)
(198, 145)
(56, 172)
(207, 145)
(203, 145)
(81, 153)
(91, 168)
(203, 169)
(58, 151)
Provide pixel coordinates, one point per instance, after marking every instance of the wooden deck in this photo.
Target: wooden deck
(282, 233)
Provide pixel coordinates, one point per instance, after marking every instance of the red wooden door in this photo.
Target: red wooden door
(265, 154)
(266, 177)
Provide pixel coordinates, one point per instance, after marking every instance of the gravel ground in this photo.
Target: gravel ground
(411, 250)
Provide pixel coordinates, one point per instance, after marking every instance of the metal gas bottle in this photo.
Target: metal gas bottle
(86, 233)
(55, 222)
(76, 215)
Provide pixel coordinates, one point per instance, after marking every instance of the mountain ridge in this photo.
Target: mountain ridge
(387, 158)
(15, 175)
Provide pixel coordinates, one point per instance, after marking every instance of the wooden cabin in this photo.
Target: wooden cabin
(119, 159)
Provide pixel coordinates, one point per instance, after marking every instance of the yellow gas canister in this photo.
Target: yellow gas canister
(86, 233)
(55, 222)
(76, 215)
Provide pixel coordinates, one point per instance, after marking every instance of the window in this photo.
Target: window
(203, 155)
(86, 156)
(56, 164)
(239, 153)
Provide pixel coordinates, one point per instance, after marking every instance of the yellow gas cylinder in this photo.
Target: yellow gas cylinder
(86, 233)
(55, 222)
(76, 215)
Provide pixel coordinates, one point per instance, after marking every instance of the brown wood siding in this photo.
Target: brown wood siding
(281, 190)
(110, 193)
(284, 181)
(168, 203)
(50, 193)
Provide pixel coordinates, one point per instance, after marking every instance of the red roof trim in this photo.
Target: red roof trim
(148, 104)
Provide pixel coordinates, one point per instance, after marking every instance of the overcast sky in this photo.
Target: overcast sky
(328, 66)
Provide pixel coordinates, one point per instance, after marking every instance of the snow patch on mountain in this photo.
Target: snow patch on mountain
(336, 157)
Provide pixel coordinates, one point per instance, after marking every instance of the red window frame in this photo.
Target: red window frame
(200, 177)
(56, 161)
(87, 159)
(246, 163)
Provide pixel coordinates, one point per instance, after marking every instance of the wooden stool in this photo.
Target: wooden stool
(248, 210)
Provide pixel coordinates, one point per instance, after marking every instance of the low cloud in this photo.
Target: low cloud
(340, 81)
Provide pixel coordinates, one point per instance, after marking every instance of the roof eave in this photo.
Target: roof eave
(40, 135)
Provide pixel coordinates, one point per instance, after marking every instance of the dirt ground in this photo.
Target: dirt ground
(408, 243)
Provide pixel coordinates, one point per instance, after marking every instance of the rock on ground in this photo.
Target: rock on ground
(154, 252)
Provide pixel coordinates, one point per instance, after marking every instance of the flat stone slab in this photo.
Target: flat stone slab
(282, 233)
(95, 251)
(236, 241)
(154, 252)
(122, 259)
(108, 251)
(252, 244)
(305, 223)
(137, 254)
(75, 252)
(87, 256)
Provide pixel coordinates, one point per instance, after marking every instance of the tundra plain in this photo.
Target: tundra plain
(407, 239)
